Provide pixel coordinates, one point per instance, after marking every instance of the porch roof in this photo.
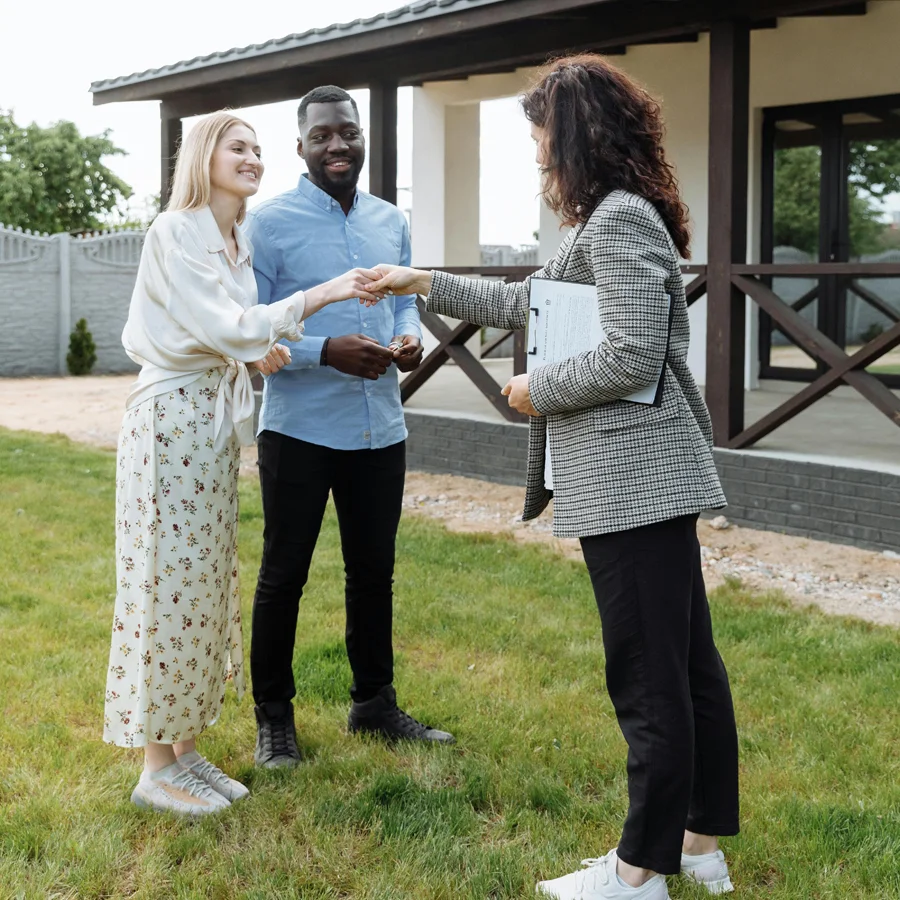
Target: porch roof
(435, 40)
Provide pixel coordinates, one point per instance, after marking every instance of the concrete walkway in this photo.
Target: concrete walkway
(841, 429)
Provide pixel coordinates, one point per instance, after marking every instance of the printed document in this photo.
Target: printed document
(563, 321)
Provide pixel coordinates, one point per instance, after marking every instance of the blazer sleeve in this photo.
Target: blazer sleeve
(487, 302)
(630, 257)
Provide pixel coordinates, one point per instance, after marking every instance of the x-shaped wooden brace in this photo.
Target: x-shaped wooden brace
(452, 346)
(843, 367)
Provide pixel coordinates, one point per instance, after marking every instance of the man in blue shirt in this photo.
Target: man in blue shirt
(332, 420)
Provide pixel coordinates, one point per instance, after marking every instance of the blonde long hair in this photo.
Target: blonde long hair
(191, 185)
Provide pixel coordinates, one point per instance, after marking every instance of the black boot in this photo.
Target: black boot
(383, 717)
(276, 737)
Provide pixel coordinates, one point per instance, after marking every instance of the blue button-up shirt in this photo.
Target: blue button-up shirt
(300, 239)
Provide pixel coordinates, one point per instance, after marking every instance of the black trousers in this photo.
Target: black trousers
(367, 485)
(669, 689)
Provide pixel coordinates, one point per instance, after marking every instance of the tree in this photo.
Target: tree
(82, 351)
(54, 179)
(873, 172)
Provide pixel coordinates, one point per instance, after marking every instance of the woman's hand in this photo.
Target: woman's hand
(348, 286)
(400, 280)
(277, 358)
(519, 396)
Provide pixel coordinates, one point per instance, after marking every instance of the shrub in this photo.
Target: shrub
(82, 352)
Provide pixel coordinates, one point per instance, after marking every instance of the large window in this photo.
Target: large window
(831, 180)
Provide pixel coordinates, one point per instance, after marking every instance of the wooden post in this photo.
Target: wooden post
(382, 149)
(170, 140)
(729, 110)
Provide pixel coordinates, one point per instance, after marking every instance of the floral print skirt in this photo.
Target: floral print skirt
(176, 636)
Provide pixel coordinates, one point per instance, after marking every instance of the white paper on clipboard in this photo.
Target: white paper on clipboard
(563, 321)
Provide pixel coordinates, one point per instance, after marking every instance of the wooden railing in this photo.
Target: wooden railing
(839, 366)
(452, 345)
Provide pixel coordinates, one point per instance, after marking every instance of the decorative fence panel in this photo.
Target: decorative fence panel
(48, 283)
(29, 303)
(104, 269)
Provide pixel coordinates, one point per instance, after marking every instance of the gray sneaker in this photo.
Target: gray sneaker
(176, 789)
(230, 789)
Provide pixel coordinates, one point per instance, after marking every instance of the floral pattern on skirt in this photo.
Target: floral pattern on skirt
(176, 635)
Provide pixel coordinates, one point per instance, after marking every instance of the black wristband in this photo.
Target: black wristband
(323, 357)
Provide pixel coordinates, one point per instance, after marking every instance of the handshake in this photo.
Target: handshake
(356, 354)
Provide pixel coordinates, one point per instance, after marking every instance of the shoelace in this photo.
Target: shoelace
(406, 723)
(279, 743)
(188, 781)
(205, 770)
(598, 868)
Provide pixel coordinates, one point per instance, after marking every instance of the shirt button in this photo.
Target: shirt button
(367, 435)
(356, 256)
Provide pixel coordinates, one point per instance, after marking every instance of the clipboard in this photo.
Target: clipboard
(563, 321)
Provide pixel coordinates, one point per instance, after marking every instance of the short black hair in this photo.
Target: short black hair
(328, 93)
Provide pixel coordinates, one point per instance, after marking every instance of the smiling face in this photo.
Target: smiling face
(236, 167)
(333, 147)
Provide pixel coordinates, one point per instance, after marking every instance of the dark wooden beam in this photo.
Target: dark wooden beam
(818, 270)
(848, 9)
(823, 349)
(695, 290)
(382, 145)
(170, 141)
(729, 105)
(495, 342)
(452, 346)
(874, 301)
(823, 385)
(803, 301)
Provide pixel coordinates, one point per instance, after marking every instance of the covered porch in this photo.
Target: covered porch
(719, 69)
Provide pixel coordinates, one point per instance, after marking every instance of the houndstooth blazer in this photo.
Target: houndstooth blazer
(616, 465)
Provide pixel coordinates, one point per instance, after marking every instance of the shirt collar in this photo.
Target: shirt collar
(318, 196)
(212, 237)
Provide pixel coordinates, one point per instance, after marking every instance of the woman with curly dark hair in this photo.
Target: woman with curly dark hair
(628, 479)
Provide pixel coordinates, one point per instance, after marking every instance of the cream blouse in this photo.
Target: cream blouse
(194, 309)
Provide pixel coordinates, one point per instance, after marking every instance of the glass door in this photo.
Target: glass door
(831, 177)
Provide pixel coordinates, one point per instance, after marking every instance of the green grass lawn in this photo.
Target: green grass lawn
(496, 641)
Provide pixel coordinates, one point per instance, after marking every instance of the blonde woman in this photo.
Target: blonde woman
(193, 326)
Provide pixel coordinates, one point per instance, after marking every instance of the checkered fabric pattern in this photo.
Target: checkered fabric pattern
(616, 465)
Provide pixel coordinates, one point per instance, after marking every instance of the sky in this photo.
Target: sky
(45, 74)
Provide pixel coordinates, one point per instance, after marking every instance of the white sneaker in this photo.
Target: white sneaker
(176, 789)
(710, 869)
(598, 881)
(230, 789)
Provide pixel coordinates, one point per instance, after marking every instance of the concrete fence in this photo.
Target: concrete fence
(48, 283)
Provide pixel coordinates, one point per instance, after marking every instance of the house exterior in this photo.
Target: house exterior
(749, 89)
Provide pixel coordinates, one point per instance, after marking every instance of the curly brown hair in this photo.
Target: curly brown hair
(602, 132)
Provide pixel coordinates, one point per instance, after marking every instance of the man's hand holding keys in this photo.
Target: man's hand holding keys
(358, 354)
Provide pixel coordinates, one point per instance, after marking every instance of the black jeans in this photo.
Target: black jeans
(367, 486)
(669, 688)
